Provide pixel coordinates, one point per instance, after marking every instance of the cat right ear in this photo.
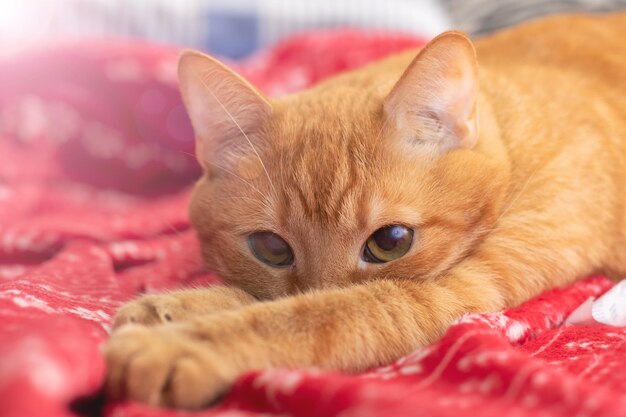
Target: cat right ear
(223, 107)
(434, 102)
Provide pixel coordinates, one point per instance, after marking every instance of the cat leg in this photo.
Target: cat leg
(189, 364)
(181, 305)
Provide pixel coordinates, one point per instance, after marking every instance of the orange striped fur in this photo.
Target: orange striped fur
(507, 159)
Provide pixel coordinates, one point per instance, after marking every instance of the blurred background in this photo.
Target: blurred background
(232, 28)
(236, 28)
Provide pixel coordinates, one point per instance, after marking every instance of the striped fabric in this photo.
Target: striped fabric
(484, 16)
(232, 28)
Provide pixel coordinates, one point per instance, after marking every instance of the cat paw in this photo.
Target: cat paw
(163, 366)
(149, 310)
(181, 305)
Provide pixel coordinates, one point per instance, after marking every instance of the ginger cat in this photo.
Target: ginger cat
(355, 221)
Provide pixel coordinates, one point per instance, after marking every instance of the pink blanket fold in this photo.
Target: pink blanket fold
(95, 166)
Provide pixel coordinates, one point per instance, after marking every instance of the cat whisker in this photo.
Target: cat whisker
(187, 153)
(240, 178)
(230, 116)
(229, 172)
(264, 203)
(382, 129)
(176, 231)
(511, 203)
(282, 169)
(517, 196)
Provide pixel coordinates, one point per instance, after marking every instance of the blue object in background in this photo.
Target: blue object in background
(231, 34)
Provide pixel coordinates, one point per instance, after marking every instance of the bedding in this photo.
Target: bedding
(96, 161)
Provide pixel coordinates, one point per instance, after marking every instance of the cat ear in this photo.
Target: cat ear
(223, 107)
(434, 102)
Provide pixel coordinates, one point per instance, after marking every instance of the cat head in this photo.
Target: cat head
(371, 175)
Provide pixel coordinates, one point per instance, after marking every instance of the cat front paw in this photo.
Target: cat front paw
(163, 366)
(181, 305)
(150, 310)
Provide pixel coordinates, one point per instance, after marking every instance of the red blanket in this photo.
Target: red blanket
(95, 164)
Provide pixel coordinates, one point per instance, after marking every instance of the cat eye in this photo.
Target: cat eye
(388, 243)
(270, 249)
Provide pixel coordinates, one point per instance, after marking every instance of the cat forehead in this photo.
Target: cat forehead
(327, 156)
(327, 187)
(334, 103)
(341, 189)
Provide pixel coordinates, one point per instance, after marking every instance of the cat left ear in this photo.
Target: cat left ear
(223, 107)
(434, 102)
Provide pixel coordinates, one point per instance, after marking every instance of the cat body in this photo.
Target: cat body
(356, 220)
